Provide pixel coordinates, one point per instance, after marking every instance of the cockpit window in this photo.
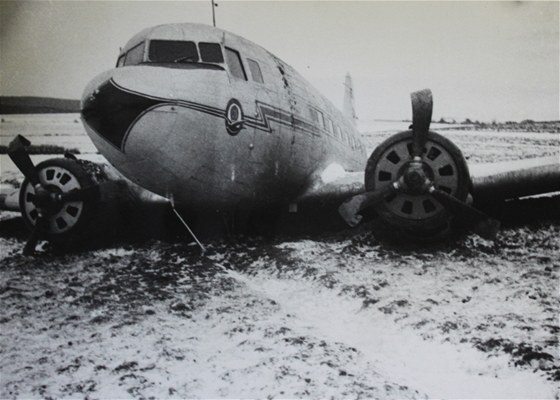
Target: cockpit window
(135, 55)
(120, 61)
(234, 64)
(211, 52)
(255, 71)
(168, 51)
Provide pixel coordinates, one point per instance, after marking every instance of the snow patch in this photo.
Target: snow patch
(441, 370)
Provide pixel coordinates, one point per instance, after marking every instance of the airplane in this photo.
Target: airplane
(202, 119)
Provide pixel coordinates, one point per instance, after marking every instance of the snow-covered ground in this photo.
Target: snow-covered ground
(336, 315)
(340, 316)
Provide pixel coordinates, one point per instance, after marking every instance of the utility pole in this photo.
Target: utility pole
(214, 13)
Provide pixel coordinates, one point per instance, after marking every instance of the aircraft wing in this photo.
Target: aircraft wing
(9, 197)
(339, 188)
(115, 188)
(513, 179)
(490, 181)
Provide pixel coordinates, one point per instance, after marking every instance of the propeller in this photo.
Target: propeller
(478, 222)
(414, 179)
(110, 190)
(31, 244)
(87, 193)
(45, 200)
(17, 151)
(350, 210)
(422, 104)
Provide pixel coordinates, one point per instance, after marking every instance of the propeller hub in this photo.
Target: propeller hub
(48, 198)
(416, 178)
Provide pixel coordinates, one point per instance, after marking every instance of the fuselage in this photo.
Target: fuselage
(213, 120)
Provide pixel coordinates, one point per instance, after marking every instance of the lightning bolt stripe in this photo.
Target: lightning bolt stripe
(266, 113)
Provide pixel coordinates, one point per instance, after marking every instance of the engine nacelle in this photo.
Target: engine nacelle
(412, 211)
(92, 216)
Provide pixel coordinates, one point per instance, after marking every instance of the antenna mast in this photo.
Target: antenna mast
(214, 13)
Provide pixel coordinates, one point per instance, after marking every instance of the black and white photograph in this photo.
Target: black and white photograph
(223, 199)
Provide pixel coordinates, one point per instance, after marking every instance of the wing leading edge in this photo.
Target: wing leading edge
(491, 182)
(514, 179)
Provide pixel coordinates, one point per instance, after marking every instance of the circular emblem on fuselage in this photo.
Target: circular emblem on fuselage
(234, 117)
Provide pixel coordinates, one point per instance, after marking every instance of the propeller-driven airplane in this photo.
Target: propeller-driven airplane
(211, 121)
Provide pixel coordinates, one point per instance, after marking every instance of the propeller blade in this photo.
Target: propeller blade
(88, 193)
(377, 196)
(18, 154)
(29, 248)
(350, 209)
(105, 191)
(481, 224)
(422, 104)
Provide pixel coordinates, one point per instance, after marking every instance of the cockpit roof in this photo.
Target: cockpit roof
(187, 32)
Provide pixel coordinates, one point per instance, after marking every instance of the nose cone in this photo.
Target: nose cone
(109, 110)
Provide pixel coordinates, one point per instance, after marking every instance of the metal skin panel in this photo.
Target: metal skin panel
(179, 145)
(510, 179)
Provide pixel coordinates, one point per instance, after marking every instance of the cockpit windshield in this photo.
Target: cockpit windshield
(174, 51)
(168, 51)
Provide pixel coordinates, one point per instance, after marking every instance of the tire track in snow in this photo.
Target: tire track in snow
(441, 370)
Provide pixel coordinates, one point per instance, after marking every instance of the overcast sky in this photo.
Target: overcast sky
(482, 60)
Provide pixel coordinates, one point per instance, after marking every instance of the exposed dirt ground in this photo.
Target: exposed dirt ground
(331, 315)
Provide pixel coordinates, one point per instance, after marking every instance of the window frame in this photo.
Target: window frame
(143, 58)
(251, 62)
(211, 43)
(320, 117)
(238, 55)
(120, 60)
(329, 125)
(147, 56)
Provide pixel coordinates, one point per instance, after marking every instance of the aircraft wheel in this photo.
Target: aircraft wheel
(412, 213)
(65, 221)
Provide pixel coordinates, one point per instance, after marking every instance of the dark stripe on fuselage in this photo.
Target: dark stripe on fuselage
(114, 130)
(110, 112)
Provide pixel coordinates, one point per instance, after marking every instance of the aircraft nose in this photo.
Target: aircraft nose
(109, 110)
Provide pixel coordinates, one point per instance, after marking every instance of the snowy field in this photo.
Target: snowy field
(335, 315)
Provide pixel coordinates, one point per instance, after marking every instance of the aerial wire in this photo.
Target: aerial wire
(202, 248)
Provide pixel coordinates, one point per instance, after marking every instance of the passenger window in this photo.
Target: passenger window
(167, 51)
(315, 117)
(344, 137)
(234, 64)
(328, 125)
(135, 55)
(211, 52)
(256, 73)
